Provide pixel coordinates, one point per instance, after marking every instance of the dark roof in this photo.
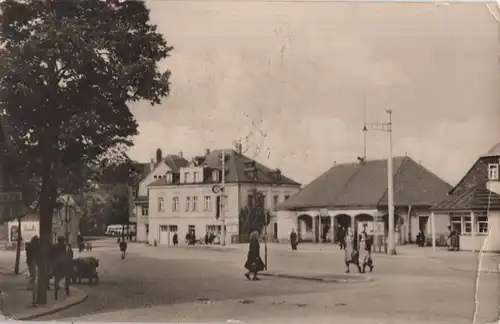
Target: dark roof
(235, 170)
(175, 162)
(478, 198)
(364, 184)
(477, 175)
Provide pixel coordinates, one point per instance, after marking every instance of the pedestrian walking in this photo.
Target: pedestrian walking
(351, 252)
(341, 234)
(123, 247)
(175, 239)
(365, 255)
(254, 263)
(294, 240)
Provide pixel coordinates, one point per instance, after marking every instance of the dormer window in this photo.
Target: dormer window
(187, 177)
(215, 176)
(196, 177)
(493, 171)
(169, 177)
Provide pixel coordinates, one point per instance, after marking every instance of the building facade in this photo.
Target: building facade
(185, 201)
(472, 207)
(357, 192)
(158, 169)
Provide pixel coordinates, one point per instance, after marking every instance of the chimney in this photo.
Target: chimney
(180, 154)
(151, 164)
(207, 152)
(159, 154)
(239, 148)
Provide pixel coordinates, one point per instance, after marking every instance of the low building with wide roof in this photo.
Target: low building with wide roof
(357, 192)
(472, 207)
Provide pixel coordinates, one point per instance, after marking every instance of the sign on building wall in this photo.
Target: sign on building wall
(372, 228)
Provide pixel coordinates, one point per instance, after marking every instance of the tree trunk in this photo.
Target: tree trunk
(18, 247)
(47, 205)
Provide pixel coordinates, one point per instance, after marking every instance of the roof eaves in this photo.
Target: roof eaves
(405, 159)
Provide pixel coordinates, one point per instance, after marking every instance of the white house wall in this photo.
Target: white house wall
(200, 218)
(160, 170)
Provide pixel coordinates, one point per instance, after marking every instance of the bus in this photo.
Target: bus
(117, 229)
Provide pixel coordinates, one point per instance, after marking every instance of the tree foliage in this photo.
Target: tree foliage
(68, 73)
(254, 215)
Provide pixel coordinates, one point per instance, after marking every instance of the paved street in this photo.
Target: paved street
(173, 284)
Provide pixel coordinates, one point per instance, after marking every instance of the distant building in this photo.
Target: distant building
(182, 200)
(357, 192)
(153, 171)
(473, 206)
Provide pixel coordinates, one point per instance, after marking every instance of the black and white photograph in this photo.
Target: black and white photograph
(250, 161)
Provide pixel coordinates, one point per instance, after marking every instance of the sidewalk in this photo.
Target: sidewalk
(16, 300)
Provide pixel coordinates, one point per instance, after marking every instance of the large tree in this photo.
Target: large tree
(68, 73)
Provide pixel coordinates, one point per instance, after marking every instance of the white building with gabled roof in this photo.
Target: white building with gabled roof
(183, 200)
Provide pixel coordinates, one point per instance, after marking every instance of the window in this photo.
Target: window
(196, 177)
(173, 228)
(161, 204)
(175, 204)
(462, 222)
(207, 203)
(493, 171)
(188, 203)
(224, 203)
(169, 177)
(287, 196)
(482, 224)
(467, 228)
(215, 175)
(264, 201)
(276, 199)
(250, 201)
(186, 177)
(145, 211)
(195, 203)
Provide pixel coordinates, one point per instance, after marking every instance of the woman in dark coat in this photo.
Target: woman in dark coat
(254, 263)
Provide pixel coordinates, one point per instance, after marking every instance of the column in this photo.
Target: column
(332, 229)
(320, 229)
(433, 229)
(314, 228)
(473, 231)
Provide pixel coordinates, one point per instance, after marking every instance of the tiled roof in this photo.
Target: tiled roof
(175, 162)
(477, 198)
(494, 151)
(235, 170)
(477, 175)
(364, 184)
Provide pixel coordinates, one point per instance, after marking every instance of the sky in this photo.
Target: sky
(291, 80)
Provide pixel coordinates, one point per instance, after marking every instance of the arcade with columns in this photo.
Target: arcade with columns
(320, 225)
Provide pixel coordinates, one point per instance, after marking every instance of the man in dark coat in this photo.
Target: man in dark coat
(341, 237)
(294, 240)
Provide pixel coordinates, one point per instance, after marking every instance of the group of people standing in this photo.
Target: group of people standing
(357, 247)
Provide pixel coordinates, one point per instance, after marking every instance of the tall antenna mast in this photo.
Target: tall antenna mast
(365, 129)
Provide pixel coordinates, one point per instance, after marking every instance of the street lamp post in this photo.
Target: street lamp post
(387, 127)
(222, 203)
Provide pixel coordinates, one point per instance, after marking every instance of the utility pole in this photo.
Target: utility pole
(387, 127)
(67, 219)
(222, 198)
(265, 237)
